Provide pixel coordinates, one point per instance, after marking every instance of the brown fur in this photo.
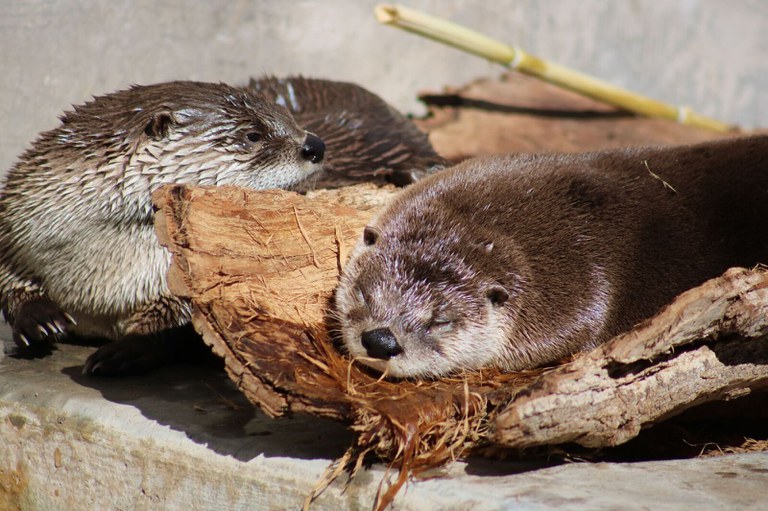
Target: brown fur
(517, 261)
(365, 137)
(78, 253)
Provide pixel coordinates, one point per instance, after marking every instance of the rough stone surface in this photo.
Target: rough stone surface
(183, 438)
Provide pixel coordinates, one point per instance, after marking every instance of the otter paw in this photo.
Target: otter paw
(128, 356)
(40, 322)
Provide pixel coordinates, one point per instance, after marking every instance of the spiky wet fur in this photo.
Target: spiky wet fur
(76, 219)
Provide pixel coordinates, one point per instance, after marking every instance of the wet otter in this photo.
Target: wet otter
(517, 261)
(78, 253)
(365, 137)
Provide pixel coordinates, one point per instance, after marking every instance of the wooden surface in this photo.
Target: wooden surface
(517, 113)
(710, 344)
(260, 268)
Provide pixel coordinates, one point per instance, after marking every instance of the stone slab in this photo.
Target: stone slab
(184, 438)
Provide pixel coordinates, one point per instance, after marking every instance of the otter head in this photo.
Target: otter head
(227, 135)
(191, 132)
(410, 305)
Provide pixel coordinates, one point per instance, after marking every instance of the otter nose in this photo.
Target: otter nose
(313, 149)
(380, 343)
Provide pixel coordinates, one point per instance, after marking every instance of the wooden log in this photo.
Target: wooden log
(710, 344)
(260, 268)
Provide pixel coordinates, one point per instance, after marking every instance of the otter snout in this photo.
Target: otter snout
(380, 343)
(313, 149)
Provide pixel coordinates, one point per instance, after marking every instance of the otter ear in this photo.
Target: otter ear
(497, 295)
(159, 125)
(370, 236)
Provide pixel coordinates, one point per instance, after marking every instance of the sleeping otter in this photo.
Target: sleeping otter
(518, 261)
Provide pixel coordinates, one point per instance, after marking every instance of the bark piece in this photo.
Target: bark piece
(260, 268)
(711, 343)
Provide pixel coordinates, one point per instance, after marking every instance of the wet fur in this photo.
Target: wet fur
(584, 246)
(77, 243)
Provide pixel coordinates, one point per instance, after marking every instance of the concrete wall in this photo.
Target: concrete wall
(709, 54)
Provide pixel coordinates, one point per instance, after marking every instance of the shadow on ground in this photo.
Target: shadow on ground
(201, 402)
(204, 404)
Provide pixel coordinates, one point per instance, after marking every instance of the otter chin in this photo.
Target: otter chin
(513, 262)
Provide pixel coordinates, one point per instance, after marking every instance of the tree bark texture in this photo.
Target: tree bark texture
(519, 114)
(711, 343)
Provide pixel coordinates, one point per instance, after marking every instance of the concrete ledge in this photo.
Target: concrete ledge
(184, 438)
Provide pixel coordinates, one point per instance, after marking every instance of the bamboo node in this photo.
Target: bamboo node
(684, 114)
(519, 55)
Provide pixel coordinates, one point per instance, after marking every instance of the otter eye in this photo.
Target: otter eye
(253, 136)
(159, 126)
(497, 295)
(370, 236)
(440, 324)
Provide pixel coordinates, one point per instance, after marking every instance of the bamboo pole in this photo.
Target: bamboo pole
(515, 58)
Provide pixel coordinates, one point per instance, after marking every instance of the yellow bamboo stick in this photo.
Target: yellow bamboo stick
(515, 58)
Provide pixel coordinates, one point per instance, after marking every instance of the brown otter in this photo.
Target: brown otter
(365, 137)
(517, 261)
(78, 253)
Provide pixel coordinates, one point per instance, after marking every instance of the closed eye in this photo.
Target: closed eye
(440, 325)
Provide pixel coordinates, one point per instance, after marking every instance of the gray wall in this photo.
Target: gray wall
(709, 54)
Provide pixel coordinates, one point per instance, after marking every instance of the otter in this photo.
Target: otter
(367, 139)
(78, 252)
(514, 262)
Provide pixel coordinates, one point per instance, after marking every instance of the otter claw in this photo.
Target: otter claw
(90, 368)
(56, 326)
(40, 322)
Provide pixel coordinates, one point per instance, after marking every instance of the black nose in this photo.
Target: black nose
(313, 149)
(380, 343)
